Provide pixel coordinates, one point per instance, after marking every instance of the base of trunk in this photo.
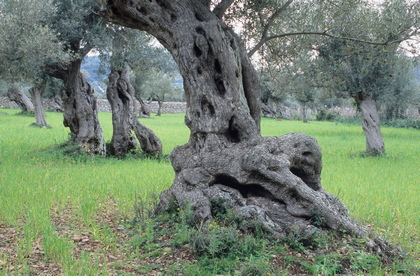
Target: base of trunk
(274, 180)
(16, 95)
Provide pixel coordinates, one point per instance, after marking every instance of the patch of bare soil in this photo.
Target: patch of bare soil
(111, 250)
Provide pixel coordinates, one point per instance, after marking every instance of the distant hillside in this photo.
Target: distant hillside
(91, 65)
(417, 73)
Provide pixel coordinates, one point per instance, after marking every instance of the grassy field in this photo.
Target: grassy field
(44, 193)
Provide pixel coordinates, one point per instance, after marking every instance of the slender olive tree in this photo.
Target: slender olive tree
(357, 39)
(365, 72)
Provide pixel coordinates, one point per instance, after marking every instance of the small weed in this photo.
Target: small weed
(219, 208)
(255, 267)
(146, 238)
(363, 261)
(318, 220)
(327, 265)
(143, 210)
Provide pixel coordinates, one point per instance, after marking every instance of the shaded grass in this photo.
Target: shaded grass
(381, 191)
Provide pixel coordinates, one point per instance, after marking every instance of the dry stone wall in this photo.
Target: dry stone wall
(103, 105)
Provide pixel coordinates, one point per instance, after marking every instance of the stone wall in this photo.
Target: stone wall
(5, 103)
(103, 104)
(167, 107)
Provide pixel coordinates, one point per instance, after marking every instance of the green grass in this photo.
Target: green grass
(381, 191)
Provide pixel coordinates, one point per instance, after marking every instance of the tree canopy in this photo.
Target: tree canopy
(27, 41)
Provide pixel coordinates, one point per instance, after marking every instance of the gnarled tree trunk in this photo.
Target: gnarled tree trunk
(120, 94)
(144, 109)
(275, 180)
(149, 142)
(57, 103)
(80, 107)
(36, 94)
(16, 95)
(370, 124)
(267, 111)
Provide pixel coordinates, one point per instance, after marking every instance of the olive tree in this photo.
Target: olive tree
(79, 29)
(275, 180)
(127, 47)
(366, 71)
(26, 44)
(357, 39)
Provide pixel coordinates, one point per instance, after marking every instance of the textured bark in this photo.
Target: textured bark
(275, 180)
(149, 142)
(304, 112)
(36, 94)
(120, 94)
(268, 111)
(160, 105)
(57, 103)
(144, 109)
(80, 107)
(371, 124)
(16, 95)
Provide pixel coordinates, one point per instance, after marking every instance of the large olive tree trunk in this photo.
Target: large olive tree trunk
(370, 123)
(36, 95)
(275, 180)
(120, 94)
(80, 107)
(16, 95)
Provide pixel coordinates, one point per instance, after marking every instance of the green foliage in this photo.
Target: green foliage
(326, 115)
(401, 123)
(79, 27)
(26, 40)
(326, 265)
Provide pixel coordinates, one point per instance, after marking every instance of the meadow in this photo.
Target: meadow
(45, 193)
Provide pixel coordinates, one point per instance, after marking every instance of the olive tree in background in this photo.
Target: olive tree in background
(127, 48)
(357, 39)
(26, 44)
(79, 29)
(368, 72)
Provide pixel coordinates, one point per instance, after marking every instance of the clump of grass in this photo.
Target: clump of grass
(222, 248)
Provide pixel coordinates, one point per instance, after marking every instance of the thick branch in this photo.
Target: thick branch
(262, 41)
(267, 26)
(56, 70)
(221, 8)
(274, 16)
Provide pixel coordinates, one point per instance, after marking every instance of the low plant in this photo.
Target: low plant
(326, 115)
